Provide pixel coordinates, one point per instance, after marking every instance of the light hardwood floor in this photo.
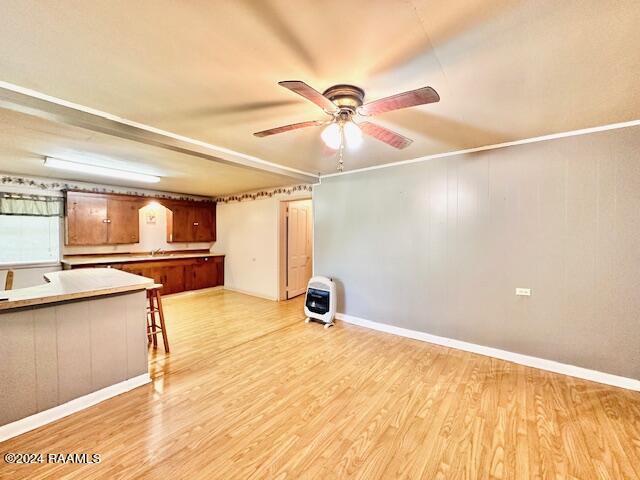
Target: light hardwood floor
(250, 391)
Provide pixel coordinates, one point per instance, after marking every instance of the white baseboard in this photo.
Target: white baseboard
(541, 363)
(253, 294)
(47, 416)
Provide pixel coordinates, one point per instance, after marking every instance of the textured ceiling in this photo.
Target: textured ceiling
(26, 140)
(505, 70)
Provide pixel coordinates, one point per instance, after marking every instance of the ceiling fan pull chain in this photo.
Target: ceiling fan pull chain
(341, 152)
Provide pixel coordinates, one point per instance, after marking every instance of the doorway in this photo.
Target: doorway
(296, 247)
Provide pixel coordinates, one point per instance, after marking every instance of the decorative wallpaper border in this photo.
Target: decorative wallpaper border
(260, 194)
(53, 185)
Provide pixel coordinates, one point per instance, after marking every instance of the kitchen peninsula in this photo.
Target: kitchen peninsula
(70, 343)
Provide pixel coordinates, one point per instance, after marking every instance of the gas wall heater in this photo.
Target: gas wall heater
(320, 301)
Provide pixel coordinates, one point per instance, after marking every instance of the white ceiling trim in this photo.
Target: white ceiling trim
(543, 138)
(199, 148)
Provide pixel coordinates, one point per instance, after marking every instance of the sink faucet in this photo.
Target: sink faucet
(156, 251)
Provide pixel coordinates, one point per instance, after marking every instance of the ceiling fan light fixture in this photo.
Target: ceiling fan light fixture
(352, 135)
(344, 103)
(332, 136)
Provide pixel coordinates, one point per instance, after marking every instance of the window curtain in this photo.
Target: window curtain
(30, 205)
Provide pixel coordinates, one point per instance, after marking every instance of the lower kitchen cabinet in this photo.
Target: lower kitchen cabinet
(179, 275)
(201, 274)
(172, 278)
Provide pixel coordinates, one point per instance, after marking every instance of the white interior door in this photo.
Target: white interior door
(299, 238)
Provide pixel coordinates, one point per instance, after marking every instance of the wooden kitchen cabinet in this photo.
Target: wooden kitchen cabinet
(123, 225)
(97, 219)
(108, 219)
(219, 261)
(204, 218)
(179, 275)
(191, 221)
(85, 217)
(172, 278)
(179, 223)
(135, 268)
(202, 274)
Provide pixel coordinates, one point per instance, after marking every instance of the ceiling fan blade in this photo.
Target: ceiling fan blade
(421, 96)
(385, 135)
(310, 94)
(287, 128)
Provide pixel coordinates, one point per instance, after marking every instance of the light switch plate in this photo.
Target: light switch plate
(526, 292)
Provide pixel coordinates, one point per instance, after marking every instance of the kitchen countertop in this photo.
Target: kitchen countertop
(72, 285)
(74, 260)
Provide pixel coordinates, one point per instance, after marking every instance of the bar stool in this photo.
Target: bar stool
(155, 306)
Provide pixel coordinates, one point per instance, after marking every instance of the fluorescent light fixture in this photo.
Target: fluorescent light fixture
(96, 170)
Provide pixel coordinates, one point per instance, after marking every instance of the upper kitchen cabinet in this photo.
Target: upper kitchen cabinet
(97, 219)
(204, 219)
(86, 219)
(191, 221)
(123, 224)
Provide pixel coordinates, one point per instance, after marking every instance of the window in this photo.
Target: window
(29, 239)
(29, 228)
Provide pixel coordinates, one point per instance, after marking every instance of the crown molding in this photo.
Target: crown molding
(543, 138)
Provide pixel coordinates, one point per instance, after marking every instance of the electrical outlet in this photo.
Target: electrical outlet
(526, 292)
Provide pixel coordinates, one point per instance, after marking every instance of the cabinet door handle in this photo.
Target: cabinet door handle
(106, 220)
(195, 224)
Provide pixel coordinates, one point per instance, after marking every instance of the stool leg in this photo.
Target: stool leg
(154, 333)
(162, 324)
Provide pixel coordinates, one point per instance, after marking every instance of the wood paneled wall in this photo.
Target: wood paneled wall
(440, 246)
(51, 355)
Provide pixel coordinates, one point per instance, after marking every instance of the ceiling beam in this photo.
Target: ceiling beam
(30, 102)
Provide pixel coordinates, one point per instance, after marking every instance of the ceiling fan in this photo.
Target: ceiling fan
(344, 103)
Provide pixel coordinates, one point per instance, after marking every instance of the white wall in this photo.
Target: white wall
(152, 237)
(248, 234)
